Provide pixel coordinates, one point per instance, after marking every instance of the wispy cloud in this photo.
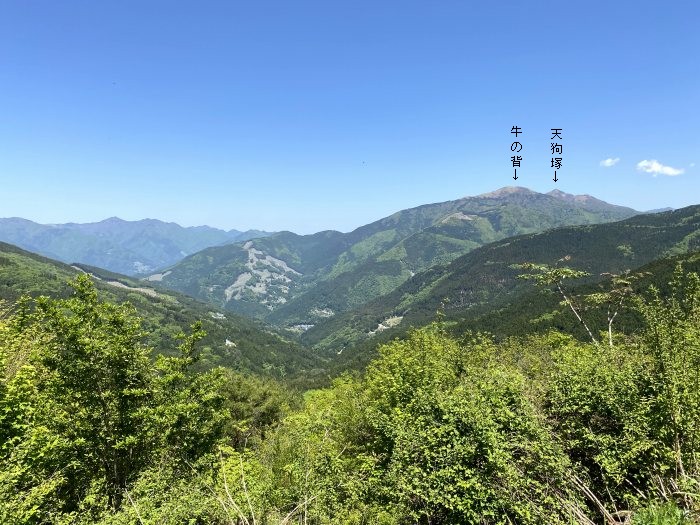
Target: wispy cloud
(608, 163)
(656, 168)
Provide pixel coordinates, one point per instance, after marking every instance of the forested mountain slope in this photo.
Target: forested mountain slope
(533, 310)
(484, 279)
(439, 429)
(231, 340)
(296, 281)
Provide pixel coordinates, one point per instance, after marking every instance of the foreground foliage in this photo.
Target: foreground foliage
(439, 429)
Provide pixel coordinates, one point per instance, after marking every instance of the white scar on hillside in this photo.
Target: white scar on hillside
(264, 274)
(461, 216)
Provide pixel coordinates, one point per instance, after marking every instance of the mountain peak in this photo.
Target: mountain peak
(557, 194)
(112, 220)
(506, 191)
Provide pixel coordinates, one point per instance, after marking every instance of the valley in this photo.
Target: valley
(324, 301)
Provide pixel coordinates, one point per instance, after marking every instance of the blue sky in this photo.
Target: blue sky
(317, 115)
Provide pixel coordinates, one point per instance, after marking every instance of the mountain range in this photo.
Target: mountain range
(324, 301)
(127, 247)
(298, 281)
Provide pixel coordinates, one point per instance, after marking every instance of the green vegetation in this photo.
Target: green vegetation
(86, 416)
(251, 346)
(441, 428)
(479, 284)
(341, 271)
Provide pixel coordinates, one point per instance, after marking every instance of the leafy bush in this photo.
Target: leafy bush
(660, 514)
(84, 411)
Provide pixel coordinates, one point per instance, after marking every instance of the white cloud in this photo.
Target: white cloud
(692, 164)
(656, 168)
(608, 163)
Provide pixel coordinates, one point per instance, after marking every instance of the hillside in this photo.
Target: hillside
(483, 279)
(529, 311)
(296, 281)
(533, 311)
(128, 247)
(231, 340)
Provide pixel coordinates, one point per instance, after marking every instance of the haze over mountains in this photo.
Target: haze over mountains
(127, 247)
(296, 281)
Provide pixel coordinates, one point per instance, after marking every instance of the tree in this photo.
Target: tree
(615, 298)
(546, 276)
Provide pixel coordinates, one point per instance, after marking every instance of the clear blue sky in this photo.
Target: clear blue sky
(316, 115)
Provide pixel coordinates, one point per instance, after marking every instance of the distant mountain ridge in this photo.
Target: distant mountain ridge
(297, 281)
(127, 247)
